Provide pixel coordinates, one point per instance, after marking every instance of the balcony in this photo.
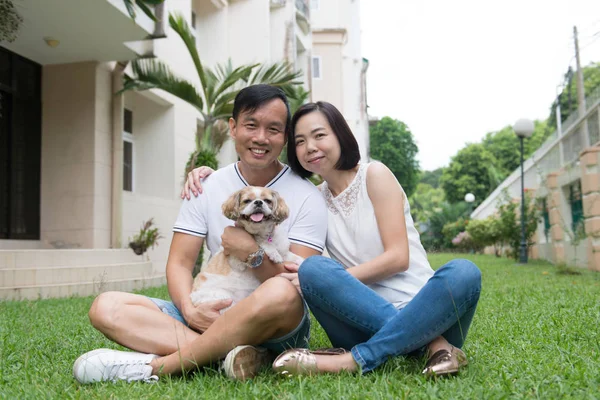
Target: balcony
(278, 3)
(303, 15)
(98, 30)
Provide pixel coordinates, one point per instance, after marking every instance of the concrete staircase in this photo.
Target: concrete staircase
(35, 274)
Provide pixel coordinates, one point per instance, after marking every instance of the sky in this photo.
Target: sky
(455, 70)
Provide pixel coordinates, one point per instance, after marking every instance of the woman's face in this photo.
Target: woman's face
(317, 147)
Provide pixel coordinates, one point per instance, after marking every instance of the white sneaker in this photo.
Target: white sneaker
(112, 365)
(245, 362)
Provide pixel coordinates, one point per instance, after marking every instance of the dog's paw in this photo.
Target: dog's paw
(275, 257)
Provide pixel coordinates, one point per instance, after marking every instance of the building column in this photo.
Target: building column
(117, 157)
(556, 222)
(590, 188)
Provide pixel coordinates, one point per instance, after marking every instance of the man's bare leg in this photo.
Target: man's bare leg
(135, 322)
(273, 310)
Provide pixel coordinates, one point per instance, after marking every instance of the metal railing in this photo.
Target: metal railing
(555, 153)
(302, 6)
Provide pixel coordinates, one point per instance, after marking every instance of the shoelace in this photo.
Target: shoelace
(131, 371)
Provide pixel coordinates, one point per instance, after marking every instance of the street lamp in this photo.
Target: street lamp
(470, 198)
(523, 128)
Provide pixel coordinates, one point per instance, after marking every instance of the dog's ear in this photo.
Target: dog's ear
(280, 210)
(231, 206)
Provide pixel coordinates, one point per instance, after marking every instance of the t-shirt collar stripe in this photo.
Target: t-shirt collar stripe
(279, 175)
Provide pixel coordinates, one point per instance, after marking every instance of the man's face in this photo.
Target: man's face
(259, 136)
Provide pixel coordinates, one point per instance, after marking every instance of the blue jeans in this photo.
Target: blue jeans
(355, 317)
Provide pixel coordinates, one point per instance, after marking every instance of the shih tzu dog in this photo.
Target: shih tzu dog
(259, 211)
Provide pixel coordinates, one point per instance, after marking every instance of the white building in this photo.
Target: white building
(338, 68)
(85, 167)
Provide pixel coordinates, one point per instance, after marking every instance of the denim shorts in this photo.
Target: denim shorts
(299, 337)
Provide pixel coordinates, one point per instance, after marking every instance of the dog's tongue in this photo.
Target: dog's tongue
(257, 217)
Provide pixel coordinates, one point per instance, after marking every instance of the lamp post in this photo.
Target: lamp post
(470, 198)
(523, 128)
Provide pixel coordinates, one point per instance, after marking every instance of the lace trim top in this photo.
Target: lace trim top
(345, 202)
(353, 238)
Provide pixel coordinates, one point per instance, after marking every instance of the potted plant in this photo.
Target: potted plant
(146, 238)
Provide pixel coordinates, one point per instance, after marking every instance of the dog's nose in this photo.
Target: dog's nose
(258, 202)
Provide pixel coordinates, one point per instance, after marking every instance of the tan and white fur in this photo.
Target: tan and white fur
(259, 211)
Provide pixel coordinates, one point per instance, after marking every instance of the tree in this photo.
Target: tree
(432, 178)
(471, 170)
(10, 21)
(219, 86)
(505, 147)
(432, 236)
(540, 133)
(568, 96)
(424, 200)
(393, 144)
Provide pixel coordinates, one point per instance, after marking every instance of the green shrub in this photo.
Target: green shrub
(485, 232)
(452, 229)
(201, 158)
(509, 216)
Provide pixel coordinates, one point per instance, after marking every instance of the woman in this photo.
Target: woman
(376, 296)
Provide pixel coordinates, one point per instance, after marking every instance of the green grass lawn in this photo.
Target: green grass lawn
(535, 335)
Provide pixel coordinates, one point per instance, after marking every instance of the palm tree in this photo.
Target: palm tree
(219, 86)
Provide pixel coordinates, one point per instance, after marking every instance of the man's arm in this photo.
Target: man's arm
(241, 244)
(180, 265)
(269, 269)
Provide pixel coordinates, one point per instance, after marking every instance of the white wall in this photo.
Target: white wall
(163, 131)
(329, 14)
(75, 180)
(249, 31)
(336, 38)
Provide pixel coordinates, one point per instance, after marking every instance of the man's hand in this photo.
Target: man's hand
(292, 274)
(202, 316)
(237, 242)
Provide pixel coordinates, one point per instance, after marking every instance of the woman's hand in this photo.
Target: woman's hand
(292, 274)
(193, 182)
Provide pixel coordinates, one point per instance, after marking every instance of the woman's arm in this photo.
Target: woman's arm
(193, 184)
(388, 202)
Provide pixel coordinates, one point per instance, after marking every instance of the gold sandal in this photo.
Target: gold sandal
(445, 362)
(295, 362)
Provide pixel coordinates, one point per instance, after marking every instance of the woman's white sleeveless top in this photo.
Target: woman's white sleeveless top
(353, 238)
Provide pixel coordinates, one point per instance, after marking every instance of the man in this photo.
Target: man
(167, 333)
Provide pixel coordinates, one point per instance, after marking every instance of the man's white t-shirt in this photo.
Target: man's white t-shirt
(202, 216)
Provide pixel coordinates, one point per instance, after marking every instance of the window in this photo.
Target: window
(128, 150)
(314, 4)
(193, 20)
(316, 67)
(575, 199)
(128, 121)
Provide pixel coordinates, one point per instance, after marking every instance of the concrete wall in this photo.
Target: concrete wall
(328, 46)
(75, 180)
(163, 132)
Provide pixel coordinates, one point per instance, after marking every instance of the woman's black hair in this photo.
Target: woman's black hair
(349, 150)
